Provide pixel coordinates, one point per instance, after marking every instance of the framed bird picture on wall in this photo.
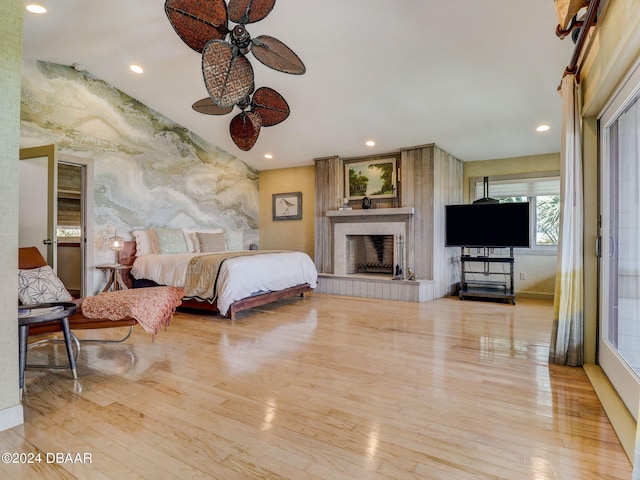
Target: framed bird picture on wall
(287, 206)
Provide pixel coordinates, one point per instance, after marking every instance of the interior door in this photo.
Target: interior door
(37, 200)
(619, 348)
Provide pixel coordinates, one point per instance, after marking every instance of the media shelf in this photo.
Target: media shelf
(494, 284)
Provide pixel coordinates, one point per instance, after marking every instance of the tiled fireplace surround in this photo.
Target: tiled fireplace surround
(396, 222)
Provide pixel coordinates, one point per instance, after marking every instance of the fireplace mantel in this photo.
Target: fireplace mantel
(370, 212)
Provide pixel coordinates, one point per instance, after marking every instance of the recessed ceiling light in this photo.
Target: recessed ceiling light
(136, 68)
(35, 8)
(370, 143)
(542, 128)
(268, 156)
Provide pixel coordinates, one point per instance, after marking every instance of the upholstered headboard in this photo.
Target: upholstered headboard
(127, 255)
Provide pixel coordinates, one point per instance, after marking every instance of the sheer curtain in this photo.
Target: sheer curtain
(566, 345)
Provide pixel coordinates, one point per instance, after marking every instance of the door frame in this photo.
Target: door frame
(612, 363)
(87, 244)
(48, 151)
(87, 260)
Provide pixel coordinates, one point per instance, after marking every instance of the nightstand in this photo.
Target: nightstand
(115, 276)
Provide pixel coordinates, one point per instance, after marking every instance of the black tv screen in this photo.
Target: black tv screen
(488, 225)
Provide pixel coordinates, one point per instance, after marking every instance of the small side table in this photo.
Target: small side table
(68, 309)
(115, 276)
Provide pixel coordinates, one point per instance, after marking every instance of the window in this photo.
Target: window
(543, 195)
(68, 231)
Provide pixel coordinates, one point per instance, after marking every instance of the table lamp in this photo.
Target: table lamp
(116, 243)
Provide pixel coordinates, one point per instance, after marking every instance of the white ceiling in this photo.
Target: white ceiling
(473, 76)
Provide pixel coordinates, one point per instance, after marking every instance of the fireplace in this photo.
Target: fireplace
(379, 236)
(372, 254)
(366, 242)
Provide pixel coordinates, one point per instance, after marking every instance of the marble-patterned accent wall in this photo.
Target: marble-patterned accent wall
(148, 170)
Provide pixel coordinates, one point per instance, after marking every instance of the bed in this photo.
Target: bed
(228, 282)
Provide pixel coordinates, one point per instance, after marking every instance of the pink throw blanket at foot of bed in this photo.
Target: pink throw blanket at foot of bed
(151, 307)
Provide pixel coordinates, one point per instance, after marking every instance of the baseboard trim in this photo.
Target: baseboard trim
(622, 421)
(11, 417)
(535, 295)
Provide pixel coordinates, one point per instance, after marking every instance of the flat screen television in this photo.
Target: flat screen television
(493, 225)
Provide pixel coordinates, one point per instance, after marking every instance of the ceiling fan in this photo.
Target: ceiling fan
(228, 76)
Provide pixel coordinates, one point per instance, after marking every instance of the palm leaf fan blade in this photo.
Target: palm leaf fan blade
(244, 129)
(228, 78)
(275, 54)
(270, 105)
(249, 11)
(198, 21)
(208, 107)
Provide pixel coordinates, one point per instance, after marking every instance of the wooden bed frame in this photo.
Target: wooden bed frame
(127, 257)
(249, 302)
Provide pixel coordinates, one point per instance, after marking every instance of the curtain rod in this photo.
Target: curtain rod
(589, 21)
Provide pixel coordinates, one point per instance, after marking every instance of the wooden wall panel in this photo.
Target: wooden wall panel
(329, 194)
(416, 170)
(448, 189)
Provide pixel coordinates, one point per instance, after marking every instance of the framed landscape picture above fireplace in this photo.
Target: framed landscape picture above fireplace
(370, 178)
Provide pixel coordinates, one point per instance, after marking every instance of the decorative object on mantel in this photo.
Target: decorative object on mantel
(287, 206)
(366, 203)
(345, 204)
(228, 75)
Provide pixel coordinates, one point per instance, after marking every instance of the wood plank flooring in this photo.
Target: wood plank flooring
(324, 387)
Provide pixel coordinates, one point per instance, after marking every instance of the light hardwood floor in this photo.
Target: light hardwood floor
(324, 387)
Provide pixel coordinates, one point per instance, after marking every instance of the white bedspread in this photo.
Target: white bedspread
(240, 277)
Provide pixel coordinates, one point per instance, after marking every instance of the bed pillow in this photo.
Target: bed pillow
(41, 285)
(145, 242)
(212, 242)
(191, 238)
(170, 240)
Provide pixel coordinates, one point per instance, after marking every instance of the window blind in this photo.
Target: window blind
(523, 187)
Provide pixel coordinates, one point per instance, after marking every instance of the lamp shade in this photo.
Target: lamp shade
(116, 243)
(566, 9)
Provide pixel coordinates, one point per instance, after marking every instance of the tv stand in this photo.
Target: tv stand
(495, 284)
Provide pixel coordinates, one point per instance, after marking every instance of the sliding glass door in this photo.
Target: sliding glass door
(619, 343)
